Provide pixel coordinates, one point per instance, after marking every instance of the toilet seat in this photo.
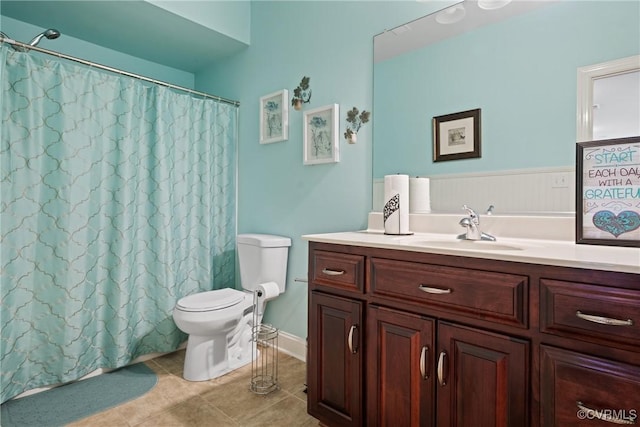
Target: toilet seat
(211, 300)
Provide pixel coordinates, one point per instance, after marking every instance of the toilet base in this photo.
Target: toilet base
(209, 357)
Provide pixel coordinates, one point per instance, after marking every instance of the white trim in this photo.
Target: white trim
(523, 171)
(586, 76)
(292, 345)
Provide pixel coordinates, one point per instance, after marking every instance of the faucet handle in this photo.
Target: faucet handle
(472, 214)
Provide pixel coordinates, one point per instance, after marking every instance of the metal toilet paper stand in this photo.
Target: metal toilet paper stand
(264, 357)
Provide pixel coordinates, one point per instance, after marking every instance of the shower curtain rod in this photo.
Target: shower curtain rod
(116, 70)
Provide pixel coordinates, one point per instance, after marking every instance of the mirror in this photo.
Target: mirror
(520, 69)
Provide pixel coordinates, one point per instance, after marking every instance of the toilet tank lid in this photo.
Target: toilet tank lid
(264, 240)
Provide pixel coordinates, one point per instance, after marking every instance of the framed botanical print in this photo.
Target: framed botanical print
(321, 142)
(274, 117)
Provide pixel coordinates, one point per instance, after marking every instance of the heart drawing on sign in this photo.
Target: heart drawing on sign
(624, 222)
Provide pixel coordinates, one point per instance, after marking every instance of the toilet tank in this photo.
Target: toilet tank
(263, 258)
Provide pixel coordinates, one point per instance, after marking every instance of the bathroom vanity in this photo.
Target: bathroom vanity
(418, 331)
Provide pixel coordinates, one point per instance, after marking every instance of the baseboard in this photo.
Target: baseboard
(292, 345)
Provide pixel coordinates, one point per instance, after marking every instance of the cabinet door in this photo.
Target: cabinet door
(581, 390)
(482, 378)
(334, 369)
(400, 369)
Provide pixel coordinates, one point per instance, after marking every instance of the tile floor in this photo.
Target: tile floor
(224, 401)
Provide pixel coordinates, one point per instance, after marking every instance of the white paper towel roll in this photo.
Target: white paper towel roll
(265, 292)
(419, 195)
(396, 204)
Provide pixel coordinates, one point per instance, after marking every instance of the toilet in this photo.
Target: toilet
(219, 322)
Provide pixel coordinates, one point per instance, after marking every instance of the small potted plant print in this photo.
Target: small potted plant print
(355, 120)
(301, 94)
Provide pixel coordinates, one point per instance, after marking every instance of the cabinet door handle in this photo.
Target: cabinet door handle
(441, 369)
(352, 348)
(608, 415)
(424, 362)
(330, 272)
(604, 320)
(431, 290)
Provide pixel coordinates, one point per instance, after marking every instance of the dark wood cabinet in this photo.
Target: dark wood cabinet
(474, 378)
(601, 314)
(498, 296)
(400, 368)
(401, 338)
(334, 381)
(582, 390)
(483, 378)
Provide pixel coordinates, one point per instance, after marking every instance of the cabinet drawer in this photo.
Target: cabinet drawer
(578, 389)
(590, 312)
(499, 297)
(338, 270)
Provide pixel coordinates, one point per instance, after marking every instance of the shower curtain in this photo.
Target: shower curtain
(118, 198)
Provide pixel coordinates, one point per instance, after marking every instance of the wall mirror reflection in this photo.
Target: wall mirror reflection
(519, 65)
(616, 111)
(608, 105)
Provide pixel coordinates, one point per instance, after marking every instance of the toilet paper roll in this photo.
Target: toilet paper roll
(419, 195)
(268, 291)
(265, 292)
(396, 204)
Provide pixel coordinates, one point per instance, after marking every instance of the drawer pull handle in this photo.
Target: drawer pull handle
(441, 369)
(431, 290)
(329, 272)
(352, 348)
(424, 362)
(608, 415)
(604, 320)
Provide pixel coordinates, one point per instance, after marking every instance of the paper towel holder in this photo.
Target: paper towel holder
(396, 206)
(388, 210)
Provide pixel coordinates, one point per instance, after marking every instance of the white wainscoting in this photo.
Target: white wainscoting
(530, 191)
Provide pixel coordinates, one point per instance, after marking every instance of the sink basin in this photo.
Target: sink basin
(476, 245)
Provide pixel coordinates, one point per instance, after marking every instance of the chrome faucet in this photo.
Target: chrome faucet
(472, 224)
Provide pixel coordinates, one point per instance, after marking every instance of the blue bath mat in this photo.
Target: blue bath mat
(71, 402)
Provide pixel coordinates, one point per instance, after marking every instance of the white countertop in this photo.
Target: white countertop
(548, 252)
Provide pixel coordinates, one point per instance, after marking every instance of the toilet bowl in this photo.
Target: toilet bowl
(219, 322)
(213, 319)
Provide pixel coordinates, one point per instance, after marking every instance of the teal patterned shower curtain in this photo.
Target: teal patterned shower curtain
(118, 198)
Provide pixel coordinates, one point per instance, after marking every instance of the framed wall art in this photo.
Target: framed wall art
(456, 136)
(274, 117)
(320, 135)
(608, 192)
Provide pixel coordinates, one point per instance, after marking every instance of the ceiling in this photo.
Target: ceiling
(137, 28)
(425, 30)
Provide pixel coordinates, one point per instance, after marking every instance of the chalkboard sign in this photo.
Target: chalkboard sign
(608, 192)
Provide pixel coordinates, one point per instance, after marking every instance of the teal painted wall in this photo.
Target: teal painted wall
(24, 32)
(331, 42)
(231, 18)
(521, 73)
